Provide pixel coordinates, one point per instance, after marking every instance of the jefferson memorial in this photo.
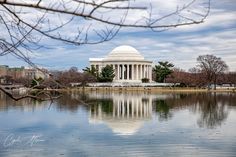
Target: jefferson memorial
(128, 64)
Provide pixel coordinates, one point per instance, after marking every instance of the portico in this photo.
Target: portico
(128, 64)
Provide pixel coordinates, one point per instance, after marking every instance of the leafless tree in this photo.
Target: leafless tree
(232, 78)
(211, 66)
(25, 25)
(67, 77)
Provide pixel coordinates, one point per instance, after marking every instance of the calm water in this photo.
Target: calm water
(120, 124)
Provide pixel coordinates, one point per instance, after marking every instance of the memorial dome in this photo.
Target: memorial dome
(124, 52)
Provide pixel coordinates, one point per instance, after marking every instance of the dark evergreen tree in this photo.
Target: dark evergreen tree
(162, 70)
(107, 74)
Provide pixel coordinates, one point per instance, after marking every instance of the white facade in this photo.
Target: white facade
(129, 65)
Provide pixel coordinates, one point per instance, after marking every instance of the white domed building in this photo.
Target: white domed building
(129, 65)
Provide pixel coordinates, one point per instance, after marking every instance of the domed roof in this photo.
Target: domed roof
(124, 127)
(124, 52)
(119, 126)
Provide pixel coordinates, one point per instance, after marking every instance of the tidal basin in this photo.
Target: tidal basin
(120, 124)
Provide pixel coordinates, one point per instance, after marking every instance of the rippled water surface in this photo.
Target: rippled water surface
(107, 124)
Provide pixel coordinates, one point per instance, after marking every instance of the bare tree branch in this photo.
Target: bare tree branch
(47, 95)
(24, 24)
(86, 11)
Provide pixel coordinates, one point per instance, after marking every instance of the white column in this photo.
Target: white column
(138, 72)
(127, 71)
(115, 72)
(118, 71)
(141, 69)
(99, 68)
(132, 71)
(136, 76)
(96, 67)
(123, 71)
(144, 71)
(150, 73)
(147, 71)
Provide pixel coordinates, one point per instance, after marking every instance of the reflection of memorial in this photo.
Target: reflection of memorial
(124, 114)
(131, 108)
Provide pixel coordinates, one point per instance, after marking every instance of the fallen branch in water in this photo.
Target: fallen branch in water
(40, 95)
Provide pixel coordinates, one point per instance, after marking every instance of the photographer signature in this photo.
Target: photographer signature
(15, 140)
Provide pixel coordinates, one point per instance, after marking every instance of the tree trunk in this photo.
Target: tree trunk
(215, 82)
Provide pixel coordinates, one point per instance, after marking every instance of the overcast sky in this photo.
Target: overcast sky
(181, 46)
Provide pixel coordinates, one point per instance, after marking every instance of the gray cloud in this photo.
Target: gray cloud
(180, 46)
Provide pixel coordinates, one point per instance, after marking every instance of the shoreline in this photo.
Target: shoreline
(147, 89)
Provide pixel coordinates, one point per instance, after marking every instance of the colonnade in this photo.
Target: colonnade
(129, 72)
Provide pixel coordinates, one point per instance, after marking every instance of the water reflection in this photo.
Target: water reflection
(132, 109)
(163, 110)
(123, 114)
(127, 108)
(121, 124)
(7, 103)
(213, 112)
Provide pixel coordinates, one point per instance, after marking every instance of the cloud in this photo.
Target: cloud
(181, 45)
(183, 49)
(217, 19)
